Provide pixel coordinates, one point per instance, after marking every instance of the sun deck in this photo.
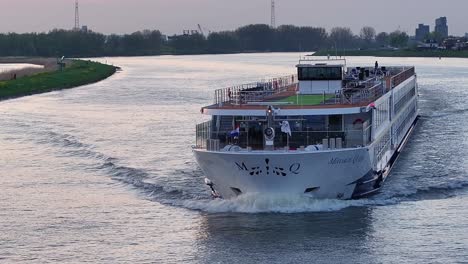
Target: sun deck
(284, 92)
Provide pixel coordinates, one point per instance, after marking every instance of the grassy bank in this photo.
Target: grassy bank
(397, 53)
(76, 73)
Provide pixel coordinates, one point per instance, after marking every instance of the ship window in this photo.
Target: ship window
(315, 122)
(335, 123)
(319, 73)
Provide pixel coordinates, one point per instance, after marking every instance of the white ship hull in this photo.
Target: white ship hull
(330, 174)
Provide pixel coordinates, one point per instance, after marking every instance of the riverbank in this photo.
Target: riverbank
(30, 66)
(76, 73)
(397, 53)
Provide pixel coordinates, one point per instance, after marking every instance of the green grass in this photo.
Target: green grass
(398, 53)
(309, 99)
(77, 74)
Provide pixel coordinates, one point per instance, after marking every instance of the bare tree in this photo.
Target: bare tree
(382, 39)
(367, 34)
(398, 39)
(342, 37)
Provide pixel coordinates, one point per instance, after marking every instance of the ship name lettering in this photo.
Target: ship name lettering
(353, 160)
(242, 167)
(336, 161)
(294, 168)
(358, 159)
(269, 169)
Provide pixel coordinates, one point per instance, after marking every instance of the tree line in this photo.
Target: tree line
(250, 38)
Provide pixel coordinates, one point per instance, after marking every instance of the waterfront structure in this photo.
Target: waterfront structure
(455, 43)
(441, 27)
(422, 31)
(331, 131)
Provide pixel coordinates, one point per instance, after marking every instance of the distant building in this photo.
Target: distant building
(455, 43)
(428, 46)
(441, 27)
(84, 28)
(422, 31)
(466, 35)
(189, 32)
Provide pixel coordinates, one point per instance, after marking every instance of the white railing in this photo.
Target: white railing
(350, 138)
(254, 92)
(358, 92)
(402, 76)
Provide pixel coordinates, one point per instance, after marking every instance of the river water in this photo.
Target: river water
(104, 173)
(16, 66)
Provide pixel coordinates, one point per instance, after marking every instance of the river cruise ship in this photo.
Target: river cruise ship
(329, 131)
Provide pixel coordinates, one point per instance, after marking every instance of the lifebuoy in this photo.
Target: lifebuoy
(269, 133)
(358, 121)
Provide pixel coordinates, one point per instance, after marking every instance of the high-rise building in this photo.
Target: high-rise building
(422, 31)
(441, 26)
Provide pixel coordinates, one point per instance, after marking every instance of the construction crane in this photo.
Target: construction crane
(201, 31)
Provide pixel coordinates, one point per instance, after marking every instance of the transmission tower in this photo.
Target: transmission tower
(273, 18)
(77, 16)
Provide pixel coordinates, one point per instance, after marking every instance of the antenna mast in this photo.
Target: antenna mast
(77, 16)
(273, 18)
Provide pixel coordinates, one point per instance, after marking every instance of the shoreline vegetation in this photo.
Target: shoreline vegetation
(395, 53)
(249, 38)
(28, 81)
(254, 38)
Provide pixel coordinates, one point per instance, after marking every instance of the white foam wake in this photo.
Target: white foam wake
(260, 203)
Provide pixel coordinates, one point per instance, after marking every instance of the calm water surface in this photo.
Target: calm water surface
(4, 67)
(104, 173)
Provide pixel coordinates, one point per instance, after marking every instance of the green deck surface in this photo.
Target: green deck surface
(309, 99)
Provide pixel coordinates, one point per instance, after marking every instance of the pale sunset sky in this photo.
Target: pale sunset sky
(172, 16)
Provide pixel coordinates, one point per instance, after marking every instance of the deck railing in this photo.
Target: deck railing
(202, 134)
(353, 96)
(349, 138)
(366, 91)
(401, 77)
(254, 92)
